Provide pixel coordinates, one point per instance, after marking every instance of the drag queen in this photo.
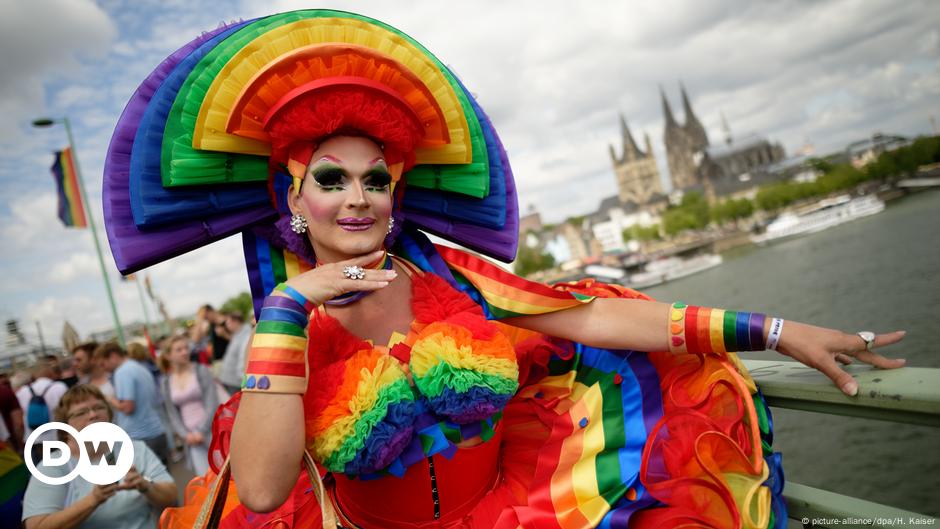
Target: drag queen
(397, 383)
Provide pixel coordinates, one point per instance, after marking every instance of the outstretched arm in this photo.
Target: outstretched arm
(645, 326)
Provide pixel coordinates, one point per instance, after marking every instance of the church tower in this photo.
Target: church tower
(685, 143)
(636, 171)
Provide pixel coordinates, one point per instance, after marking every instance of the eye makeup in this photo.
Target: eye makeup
(331, 177)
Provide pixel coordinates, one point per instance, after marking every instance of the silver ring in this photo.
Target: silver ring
(868, 337)
(354, 272)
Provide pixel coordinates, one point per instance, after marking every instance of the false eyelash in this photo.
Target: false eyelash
(329, 178)
(378, 179)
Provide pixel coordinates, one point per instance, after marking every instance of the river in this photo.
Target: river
(880, 273)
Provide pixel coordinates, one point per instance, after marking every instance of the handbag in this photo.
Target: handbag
(210, 515)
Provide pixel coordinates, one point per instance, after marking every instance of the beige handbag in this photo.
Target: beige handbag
(211, 513)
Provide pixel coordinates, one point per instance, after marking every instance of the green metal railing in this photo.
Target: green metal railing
(907, 395)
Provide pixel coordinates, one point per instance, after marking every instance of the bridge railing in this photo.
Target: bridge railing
(907, 395)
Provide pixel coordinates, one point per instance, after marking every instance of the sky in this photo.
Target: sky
(552, 76)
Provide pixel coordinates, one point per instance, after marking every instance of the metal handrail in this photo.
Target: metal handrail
(908, 395)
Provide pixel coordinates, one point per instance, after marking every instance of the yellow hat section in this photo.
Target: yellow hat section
(210, 129)
(325, 61)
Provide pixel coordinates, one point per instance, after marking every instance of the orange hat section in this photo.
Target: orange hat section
(311, 64)
(249, 63)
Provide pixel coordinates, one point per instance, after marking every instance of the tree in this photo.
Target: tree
(641, 234)
(691, 214)
(531, 260)
(241, 303)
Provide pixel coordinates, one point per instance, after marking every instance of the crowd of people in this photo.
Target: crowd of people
(163, 395)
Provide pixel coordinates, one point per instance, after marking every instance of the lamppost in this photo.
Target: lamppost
(47, 122)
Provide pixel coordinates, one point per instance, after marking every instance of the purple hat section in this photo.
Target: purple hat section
(132, 248)
(497, 243)
(488, 212)
(153, 205)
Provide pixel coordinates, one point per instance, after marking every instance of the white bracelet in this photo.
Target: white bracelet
(776, 327)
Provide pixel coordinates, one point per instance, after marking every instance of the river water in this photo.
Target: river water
(880, 273)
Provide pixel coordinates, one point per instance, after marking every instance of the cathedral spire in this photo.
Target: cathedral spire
(726, 129)
(687, 106)
(667, 111)
(629, 146)
(692, 125)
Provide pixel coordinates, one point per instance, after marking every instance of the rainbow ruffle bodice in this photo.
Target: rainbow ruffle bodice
(365, 415)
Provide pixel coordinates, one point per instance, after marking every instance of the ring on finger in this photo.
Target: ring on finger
(868, 337)
(354, 272)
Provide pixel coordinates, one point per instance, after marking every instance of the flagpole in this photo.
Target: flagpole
(91, 222)
(143, 305)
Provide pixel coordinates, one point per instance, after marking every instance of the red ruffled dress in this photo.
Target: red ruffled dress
(567, 436)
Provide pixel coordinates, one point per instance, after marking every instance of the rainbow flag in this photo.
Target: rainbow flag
(71, 208)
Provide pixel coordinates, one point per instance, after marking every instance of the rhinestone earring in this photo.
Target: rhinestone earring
(391, 224)
(298, 224)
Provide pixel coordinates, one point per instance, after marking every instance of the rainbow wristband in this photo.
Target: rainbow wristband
(277, 360)
(703, 330)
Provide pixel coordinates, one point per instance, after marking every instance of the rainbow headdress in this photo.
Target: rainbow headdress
(195, 158)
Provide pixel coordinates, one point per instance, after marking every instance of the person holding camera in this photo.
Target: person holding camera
(127, 504)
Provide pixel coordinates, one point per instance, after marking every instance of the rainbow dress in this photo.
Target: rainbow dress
(573, 436)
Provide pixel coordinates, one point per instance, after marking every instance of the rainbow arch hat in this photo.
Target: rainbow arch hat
(193, 158)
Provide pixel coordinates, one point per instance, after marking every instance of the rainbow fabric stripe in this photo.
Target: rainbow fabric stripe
(13, 479)
(71, 207)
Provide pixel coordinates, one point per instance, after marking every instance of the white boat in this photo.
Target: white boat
(820, 216)
(669, 268)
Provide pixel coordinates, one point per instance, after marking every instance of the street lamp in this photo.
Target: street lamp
(48, 122)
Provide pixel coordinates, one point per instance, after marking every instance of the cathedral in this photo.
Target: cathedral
(685, 144)
(718, 171)
(637, 174)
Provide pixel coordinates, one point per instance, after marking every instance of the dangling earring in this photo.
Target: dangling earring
(298, 224)
(391, 224)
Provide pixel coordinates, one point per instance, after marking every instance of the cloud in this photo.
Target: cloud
(49, 38)
(33, 218)
(75, 266)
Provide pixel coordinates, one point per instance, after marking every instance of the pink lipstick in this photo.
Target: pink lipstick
(355, 223)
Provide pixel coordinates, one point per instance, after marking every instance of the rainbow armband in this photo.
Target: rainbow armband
(277, 360)
(702, 330)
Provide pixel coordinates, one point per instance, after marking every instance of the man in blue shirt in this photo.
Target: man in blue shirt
(136, 400)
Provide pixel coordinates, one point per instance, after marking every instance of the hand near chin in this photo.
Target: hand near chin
(327, 281)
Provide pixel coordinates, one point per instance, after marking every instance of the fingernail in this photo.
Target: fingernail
(902, 332)
(850, 389)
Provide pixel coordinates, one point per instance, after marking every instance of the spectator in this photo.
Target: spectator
(191, 399)
(81, 359)
(67, 375)
(135, 398)
(208, 335)
(91, 370)
(138, 351)
(19, 379)
(37, 400)
(12, 414)
(131, 503)
(236, 354)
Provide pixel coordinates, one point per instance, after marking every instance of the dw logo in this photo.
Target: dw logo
(97, 445)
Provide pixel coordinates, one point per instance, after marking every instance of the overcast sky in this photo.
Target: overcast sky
(551, 75)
